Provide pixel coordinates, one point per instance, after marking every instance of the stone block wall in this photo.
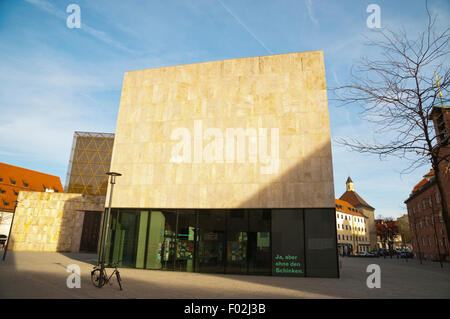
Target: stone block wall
(51, 221)
(285, 92)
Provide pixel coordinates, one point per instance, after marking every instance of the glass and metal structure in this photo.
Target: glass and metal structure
(278, 242)
(90, 159)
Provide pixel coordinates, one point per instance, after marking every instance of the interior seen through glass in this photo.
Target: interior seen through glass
(219, 241)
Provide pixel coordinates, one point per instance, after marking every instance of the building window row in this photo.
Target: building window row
(350, 237)
(414, 209)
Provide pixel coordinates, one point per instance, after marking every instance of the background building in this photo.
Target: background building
(404, 231)
(389, 236)
(429, 233)
(196, 197)
(13, 180)
(69, 222)
(352, 231)
(363, 207)
(90, 159)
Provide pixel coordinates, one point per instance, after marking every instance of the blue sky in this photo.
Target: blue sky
(55, 80)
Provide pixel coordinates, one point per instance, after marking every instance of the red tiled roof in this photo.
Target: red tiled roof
(346, 207)
(353, 198)
(424, 181)
(14, 179)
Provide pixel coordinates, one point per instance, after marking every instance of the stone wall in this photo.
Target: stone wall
(284, 94)
(51, 221)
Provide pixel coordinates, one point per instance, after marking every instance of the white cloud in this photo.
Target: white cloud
(310, 11)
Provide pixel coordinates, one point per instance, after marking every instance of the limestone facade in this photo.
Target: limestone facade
(51, 222)
(286, 93)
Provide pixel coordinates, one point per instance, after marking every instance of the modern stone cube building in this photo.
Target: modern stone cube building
(226, 168)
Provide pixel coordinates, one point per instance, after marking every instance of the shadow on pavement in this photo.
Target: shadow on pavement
(44, 275)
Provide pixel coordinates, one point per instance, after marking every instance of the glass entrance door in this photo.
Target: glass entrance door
(185, 241)
(211, 242)
(169, 244)
(237, 253)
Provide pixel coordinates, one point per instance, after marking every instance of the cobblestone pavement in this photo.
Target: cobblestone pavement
(44, 275)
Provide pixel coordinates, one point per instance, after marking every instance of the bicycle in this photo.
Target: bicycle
(99, 276)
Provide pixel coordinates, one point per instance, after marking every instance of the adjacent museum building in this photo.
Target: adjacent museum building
(226, 168)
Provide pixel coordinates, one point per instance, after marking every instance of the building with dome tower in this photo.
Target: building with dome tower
(363, 207)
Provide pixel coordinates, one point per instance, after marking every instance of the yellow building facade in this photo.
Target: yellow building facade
(353, 234)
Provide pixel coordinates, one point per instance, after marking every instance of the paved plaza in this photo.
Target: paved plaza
(44, 275)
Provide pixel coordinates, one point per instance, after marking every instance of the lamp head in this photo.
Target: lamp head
(113, 176)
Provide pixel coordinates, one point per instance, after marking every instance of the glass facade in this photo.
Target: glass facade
(89, 161)
(279, 242)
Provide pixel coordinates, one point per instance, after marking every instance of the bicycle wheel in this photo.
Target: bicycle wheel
(97, 279)
(118, 279)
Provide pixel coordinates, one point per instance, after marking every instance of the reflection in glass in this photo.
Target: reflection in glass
(237, 227)
(210, 256)
(218, 241)
(186, 234)
(123, 237)
(259, 247)
(237, 253)
(169, 244)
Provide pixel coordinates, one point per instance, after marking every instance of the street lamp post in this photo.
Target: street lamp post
(105, 239)
(10, 228)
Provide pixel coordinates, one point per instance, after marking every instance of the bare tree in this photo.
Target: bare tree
(397, 92)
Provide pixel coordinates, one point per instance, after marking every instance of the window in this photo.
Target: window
(2, 191)
(16, 193)
(5, 203)
(12, 181)
(423, 204)
(25, 183)
(436, 196)
(339, 237)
